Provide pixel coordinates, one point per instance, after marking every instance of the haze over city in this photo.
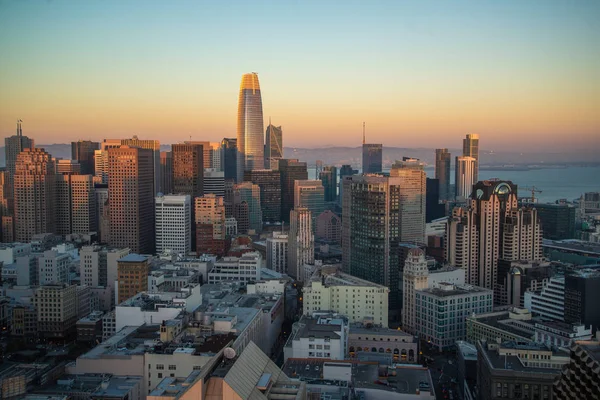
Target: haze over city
(422, 74)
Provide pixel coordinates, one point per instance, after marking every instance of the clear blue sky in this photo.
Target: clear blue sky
(420, 73)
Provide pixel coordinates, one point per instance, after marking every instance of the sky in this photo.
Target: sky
(419, 73)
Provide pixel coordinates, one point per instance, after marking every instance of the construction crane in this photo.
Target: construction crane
(533, 191)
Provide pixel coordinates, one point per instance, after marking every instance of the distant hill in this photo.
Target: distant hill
(353, 155)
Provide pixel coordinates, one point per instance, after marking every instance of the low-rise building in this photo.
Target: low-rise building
(145, 308)
(24, 321)
(398, 345)
(94, 386)
(560, 334)
(515, 325)
(321, 337)
(240, 269)
(56, 307)
(89, 328)
(549, 302)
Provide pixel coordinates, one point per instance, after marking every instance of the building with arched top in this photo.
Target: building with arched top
(250, 132)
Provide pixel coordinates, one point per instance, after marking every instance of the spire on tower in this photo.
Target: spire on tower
(364, 140)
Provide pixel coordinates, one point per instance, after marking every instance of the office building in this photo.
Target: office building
(515, 324)
(34, 194)
(247, 197)
(442, 172)
(273, 146)
(433, 209)
(415, 277)
(102, 212)
(290, 170)
(517, 277)
(517, 370)
(367, 342)
(329, 227)
(132, 276)
(130, 184)
(490, 228)
(345, 170)
(14, 145)
(211, 231)
(582, 297)
(277, 252)
(166, 172)
(471, 149)
(464, 178)
(438, 322)
(67, 167)
(329, 289)
(549, 302)
(101, 166)
(53, 268)
(558, 221)
(238, 269)
(320, 337)
(56, 307)
(301, 243)
(214, 182)
(6, 217)
(75, 204)
(372, 156)
(250, 136)
(215, 156)
(188, 169)
(229, 158)
(329, 179)
(310, 194)
(412, 198)
(83, 151)
(269, 182)
(173, 218)
(580, 377)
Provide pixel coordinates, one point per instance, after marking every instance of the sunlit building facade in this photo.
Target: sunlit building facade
(250, 136)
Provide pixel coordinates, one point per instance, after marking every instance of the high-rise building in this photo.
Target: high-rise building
(83, 151)
(188, 169)
(67, 167)
(301, 243)
(329, 227)
(345, 170)
(249, 194)
(101, 165)
(310, 194)
(415, 278)
(582, 296)
(273, 146)
(490, 228)
(471, 149)
(229, 158)
(277, 252)
(214, 182)
(166, 172)
(291, 170)
(153, 145)
(34, 194)
(465, 176)
(210, 225)
(13, 146)
(433, 208)
(216, 156)
(370, 231)
(412, 201)
(132, 277)
(131, 201)
(269, 182)
(250, 136)
(442, 172)
(6, 218)
(75, 204)
(372, 158)
(53, 267)
(558, 220)
(173, 224)
(328, 177)
(102, 212)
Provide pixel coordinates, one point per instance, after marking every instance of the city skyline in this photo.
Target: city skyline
(511, 71)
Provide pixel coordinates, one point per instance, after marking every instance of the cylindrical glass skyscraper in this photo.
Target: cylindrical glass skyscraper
(250, 132)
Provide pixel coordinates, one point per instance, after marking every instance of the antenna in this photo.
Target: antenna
(364, 141)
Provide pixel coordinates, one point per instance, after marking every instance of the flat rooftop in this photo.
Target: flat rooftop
(455, 290)
(334, 277)
(503, 322)
(359, 329)
(133, 258)
(574, 246)
(407, 380)
(129, 341)
(172, 387)
(90, 385)
(505, 362)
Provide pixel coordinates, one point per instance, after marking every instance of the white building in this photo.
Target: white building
(98, 266)
(329, 289)
(230, 226)
(414, 278)
(214, 182)
(465, 176)
(301, 243)
(173, 229)
(242, 269)
(145, 309)
(9, 252)
(322, 337)
(550, 301)
(277, 252)
(270, 286)
(561, 334)
(216, 156)
(101, 165)
(53, 268)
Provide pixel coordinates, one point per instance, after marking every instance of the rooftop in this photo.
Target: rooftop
(92, 385)
(446, 290)
(129, 341)
(501, 320)
(360, 329)
(500, 361)
(94, 316)
(573, 245)
(133, 258)
(171, 387)
(332, 276)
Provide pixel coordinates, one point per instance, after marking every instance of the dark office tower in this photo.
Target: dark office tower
(582, 296)
(250, 136)
(442, 172)
(13, 146)
(346, 170)
(291, 170)
(83, 151)
(370, 232)
(228, 199)
(188, 169)
(229, 158)
(471, 149)
(131, 198)
(206, 152)
(433, 208)
(328, 177)
(269, 182)
(75, 204)
(34, 191)
(166, 171)
(372, 157)
(6, 219)
(558, 220)
(273, 146)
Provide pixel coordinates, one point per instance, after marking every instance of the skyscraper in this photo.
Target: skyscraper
(492, 227)
(412, 204)
(465, 176)
(250, 136)
(249, 194)
(13, 146)
(442, 172)
(83, 151)
(471, 149)
(34, 194)
(415, 278)
(214, 182)
(150, 144)
(229, 158)
(328, 177)
(310, 194)
(101, 166)
(372, 158)
(210, 225)
(75, 204)
(290, 171)
(173, 216)
(206, 152)
(102, 212)
(277, 252)
(166, 171)
(269, 182)
(215, 156)
(273, 146)
(6, 218)
(346, 170)
(131, 198)
(301, 243)
(188, 169)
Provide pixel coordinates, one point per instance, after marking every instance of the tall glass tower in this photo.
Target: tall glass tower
(250, 132)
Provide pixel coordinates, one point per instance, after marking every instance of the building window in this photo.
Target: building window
(172, 367)
(160, 366)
